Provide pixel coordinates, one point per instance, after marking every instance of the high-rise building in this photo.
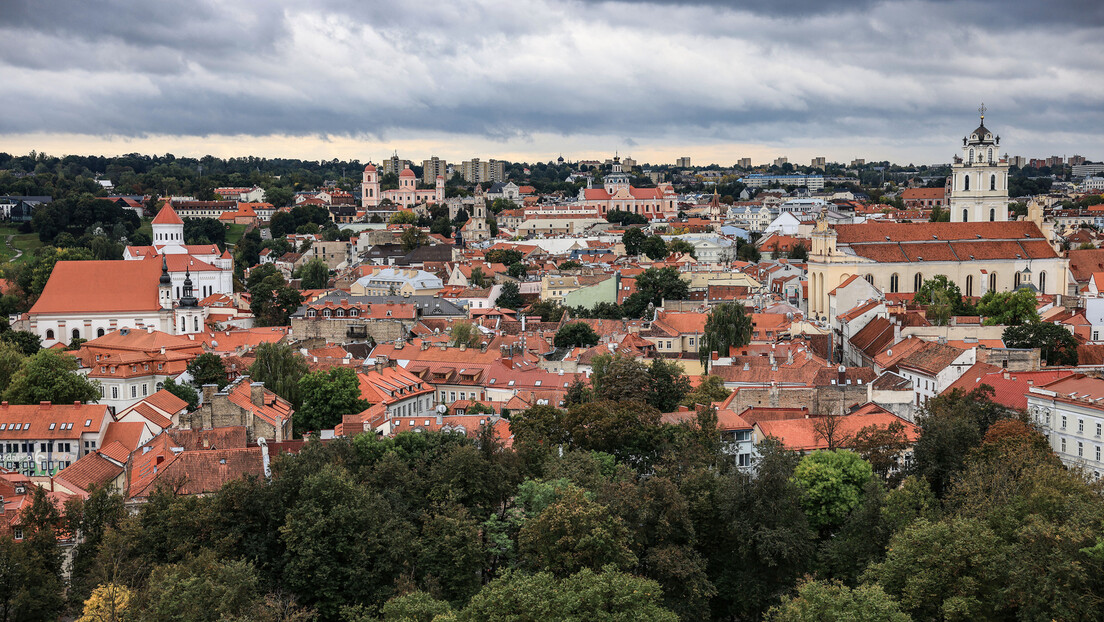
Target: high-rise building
(744, 163)
(1016, 161)
(1076, 160)
(433, 167)
(818, 162)
(857, 162)
(477, 171)
(683, 162)
(394, 165)
(780, 160)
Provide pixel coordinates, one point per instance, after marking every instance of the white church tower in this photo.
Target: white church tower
(979, 178)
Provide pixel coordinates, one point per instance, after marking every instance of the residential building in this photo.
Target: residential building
(1070, 413)
(760, 180)
(433, 168)
(477, 171)
(391, 281)
(683, 162)
(41, 439)
(131, 365)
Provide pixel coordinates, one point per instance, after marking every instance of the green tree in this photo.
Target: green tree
(942, 298)
(633, 240)
(51, 376)
(710, 389)
(679, 245)
(727, 326)
(89, 519)
(314, 274)
(326, 396)
(184, 391)
(27, 343)
(465, 334)
(11, 360)
(573, 533)
(832, 601)
(577, 335)
(1056, 343)
(799, 252)
(477, 278)
(279, 367)
(617, 377)
(881, 446)
(549, 310)
(504, 256)
(208, 368)
(509, 297)
(272, 300)
(29, 590)
(654, 247)
(667, 386)
(1009, 308)
(517, 270)
(832, 484)
(412, 237)
(586, 595)
(655, 285)
(570, 264)
(402, 218)
(201, 589)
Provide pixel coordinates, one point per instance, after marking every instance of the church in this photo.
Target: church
(211, 270)
(980, 250)
(406, 195)
(616, 193)
(88, 299)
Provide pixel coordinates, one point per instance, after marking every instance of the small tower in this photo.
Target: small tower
(168, 228)
(979, 178)
(189, 315)
(164, 286)
(439, 194)
(370, 187)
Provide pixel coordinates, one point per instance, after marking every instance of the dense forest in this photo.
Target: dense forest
(599, 512)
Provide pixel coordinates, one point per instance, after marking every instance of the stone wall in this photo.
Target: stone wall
(336, 330)
(819, 400)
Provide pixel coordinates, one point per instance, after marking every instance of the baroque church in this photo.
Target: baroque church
(980, 250)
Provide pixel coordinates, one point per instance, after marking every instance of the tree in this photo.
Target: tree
(184, 391)
(326, 396)
(799, 252)
(208, 368)
(832, 601)
(40, 520)
(658, 284)
(667, 386)
(315, 274)
(477, 278)
(548, 310)
(402, 217)
(28, 589)
(11, 360)
(509, 297)
(727, 326)
(517, 270)
(633, 239)
(1009, 308)
(832, 485)
(51, 376)
(586, 595)
(881, 446)
(577, 335)
(279, 367)
(679, 245)
(108, 603)
(748, 252)
(465, 334)
(505, 256)
(710, 389)
(573, 533)
(26, 342)
(412, 237)
(202, 588)
(570, 264)
(624, 218)
(89, 519)
(1056, 343)
(616, 377)
(272, 300)
(654, 247)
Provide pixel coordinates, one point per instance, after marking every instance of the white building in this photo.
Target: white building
(1070, 412)
(979, 179)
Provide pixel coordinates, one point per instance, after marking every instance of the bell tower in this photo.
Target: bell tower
(370, 187)
(979, 178)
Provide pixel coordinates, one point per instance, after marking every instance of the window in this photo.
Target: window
(992, 215)
(869, 278)
(1098, 430)
(966, 178)
(311, 313)
(1098, 453)
(1016, 281)
(1080, 426)
(992, 281)
(49, 334)
(1063, 422)
(114, 393)
(971, 160)
(969, 285)
(1042, 282)
(17, 533)
(1080, 449)
(145, 389)
(99, 332)
(965, 215)
(1063, 445)
(133, 390)
(893, 284)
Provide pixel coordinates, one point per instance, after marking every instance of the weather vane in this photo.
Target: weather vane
(981, 110)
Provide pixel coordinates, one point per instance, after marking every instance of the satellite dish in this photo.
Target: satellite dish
(441, 408)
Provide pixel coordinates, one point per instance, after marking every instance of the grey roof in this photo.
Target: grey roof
(427, 306)
(422, 254)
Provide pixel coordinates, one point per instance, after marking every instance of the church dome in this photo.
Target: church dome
(371, 168)
(407, 173)
(981, 135)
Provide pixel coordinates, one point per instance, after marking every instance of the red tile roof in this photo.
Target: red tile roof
(167, 216)
(100, 287)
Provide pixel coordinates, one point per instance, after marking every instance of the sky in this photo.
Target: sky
(529, 80)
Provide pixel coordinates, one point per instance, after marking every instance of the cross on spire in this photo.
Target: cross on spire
(981, 111)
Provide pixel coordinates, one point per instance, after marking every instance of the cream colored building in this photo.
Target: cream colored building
(979, 179)
(897, 257)
(394, 281)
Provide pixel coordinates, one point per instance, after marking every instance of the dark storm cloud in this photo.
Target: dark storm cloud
(892, 71)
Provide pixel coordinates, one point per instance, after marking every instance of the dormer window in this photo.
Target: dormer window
(311, 313)
(326, 313)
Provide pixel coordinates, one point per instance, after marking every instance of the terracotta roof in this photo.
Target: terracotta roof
(874, 337)
(930, 357)
(166, 402)
(92, 469)
(128, 435)
(1010, 388)
(48, 421)
(800, 434)
(167, 216)
(100, 287)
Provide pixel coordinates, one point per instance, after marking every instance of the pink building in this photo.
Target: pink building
(406, 195)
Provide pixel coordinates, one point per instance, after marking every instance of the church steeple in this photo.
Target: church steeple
(187, 299)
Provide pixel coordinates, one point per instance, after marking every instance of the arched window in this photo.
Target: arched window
(992, 214)
(969, 285)
(893, 283)
(76, 333)
(99, 332)
(992, 281)
(992, 182)
(966, 181)
(1016, 281)
(1042, 282)
(965, 215)
(917, 281)
(49, 334)
(160, 386)
(869, 278)
(183, 325)
(195, 323)
(971, 156)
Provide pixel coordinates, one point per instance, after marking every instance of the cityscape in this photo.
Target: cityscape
(439, 341)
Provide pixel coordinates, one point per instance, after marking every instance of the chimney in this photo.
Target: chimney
(463, 346)
(714, 356)
(256, 392)
(508, 362)
(209, 391)
(483, 346)
(425, 345)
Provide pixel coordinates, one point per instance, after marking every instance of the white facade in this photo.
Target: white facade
(979, 179)
(1074, 427)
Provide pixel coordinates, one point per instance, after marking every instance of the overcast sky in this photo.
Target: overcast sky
(521, 80)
